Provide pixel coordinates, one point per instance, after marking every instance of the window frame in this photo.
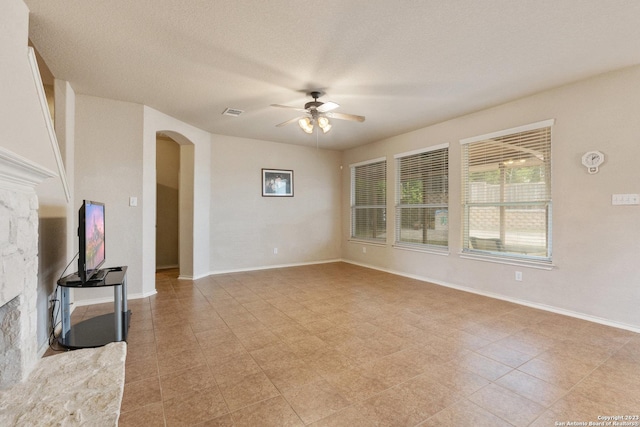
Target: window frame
(355, 207)
(499, 254)
(399, 206)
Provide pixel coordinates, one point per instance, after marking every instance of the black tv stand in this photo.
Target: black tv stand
(99, 275)
(99, 330)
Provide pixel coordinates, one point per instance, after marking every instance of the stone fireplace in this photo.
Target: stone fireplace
(33, 391)
(19, 265)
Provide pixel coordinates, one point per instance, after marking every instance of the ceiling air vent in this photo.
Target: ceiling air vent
(234, 112)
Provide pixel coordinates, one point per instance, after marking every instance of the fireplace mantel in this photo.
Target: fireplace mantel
(21, 174)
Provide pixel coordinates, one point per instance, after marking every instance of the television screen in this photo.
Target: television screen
(91, 234)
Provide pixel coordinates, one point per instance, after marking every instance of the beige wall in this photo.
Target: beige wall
(246, 227)
(222, 208)
(108, 169)
(596, 246)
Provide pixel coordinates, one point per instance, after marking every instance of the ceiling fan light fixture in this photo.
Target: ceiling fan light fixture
(306, 125)
(317, 113)
(323, 122)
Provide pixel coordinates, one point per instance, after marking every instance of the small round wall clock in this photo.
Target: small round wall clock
(591, 160)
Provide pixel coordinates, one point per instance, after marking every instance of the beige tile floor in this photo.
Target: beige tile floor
(341, 345)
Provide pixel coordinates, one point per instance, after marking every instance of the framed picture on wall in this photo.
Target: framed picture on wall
(277, 183)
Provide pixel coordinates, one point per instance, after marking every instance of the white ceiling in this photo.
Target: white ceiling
(404, 64)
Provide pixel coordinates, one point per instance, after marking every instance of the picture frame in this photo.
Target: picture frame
(277, 183)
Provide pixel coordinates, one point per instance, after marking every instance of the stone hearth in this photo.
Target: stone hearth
(76, 388)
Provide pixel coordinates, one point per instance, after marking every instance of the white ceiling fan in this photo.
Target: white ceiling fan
(317, 112)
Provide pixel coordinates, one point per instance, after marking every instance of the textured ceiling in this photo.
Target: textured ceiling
(402, 64)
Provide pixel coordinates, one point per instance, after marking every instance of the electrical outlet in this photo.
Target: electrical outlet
(275, 251)
(364, 249)
(519, 276)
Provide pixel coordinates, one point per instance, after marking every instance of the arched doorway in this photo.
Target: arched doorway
(193, 200)
(174, 202)
(167, 203)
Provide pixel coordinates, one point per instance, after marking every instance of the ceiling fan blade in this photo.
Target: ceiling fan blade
(343, 116)
(327, 106)
(288, 107)
(290, 121)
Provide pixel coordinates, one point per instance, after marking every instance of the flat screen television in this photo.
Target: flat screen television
(91, 238)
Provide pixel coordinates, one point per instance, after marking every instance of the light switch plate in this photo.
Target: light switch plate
(625, 199)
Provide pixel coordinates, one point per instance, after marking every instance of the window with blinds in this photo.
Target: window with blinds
(369, 200)
(422, 198)
(507, 193)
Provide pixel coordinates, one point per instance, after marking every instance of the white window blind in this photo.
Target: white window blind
(507, 193)
(368, 201)
(422, 198)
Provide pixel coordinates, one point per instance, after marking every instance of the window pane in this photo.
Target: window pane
(422, 198)
(369, 199)
(424, 226)
(524, 184)
(507, 194)
(370, 223)
(524, 229)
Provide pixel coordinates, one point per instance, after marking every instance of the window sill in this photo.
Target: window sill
(432, 251)
(541, 265)
(367, 242)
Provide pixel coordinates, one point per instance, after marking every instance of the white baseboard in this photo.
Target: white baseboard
(166, 267)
